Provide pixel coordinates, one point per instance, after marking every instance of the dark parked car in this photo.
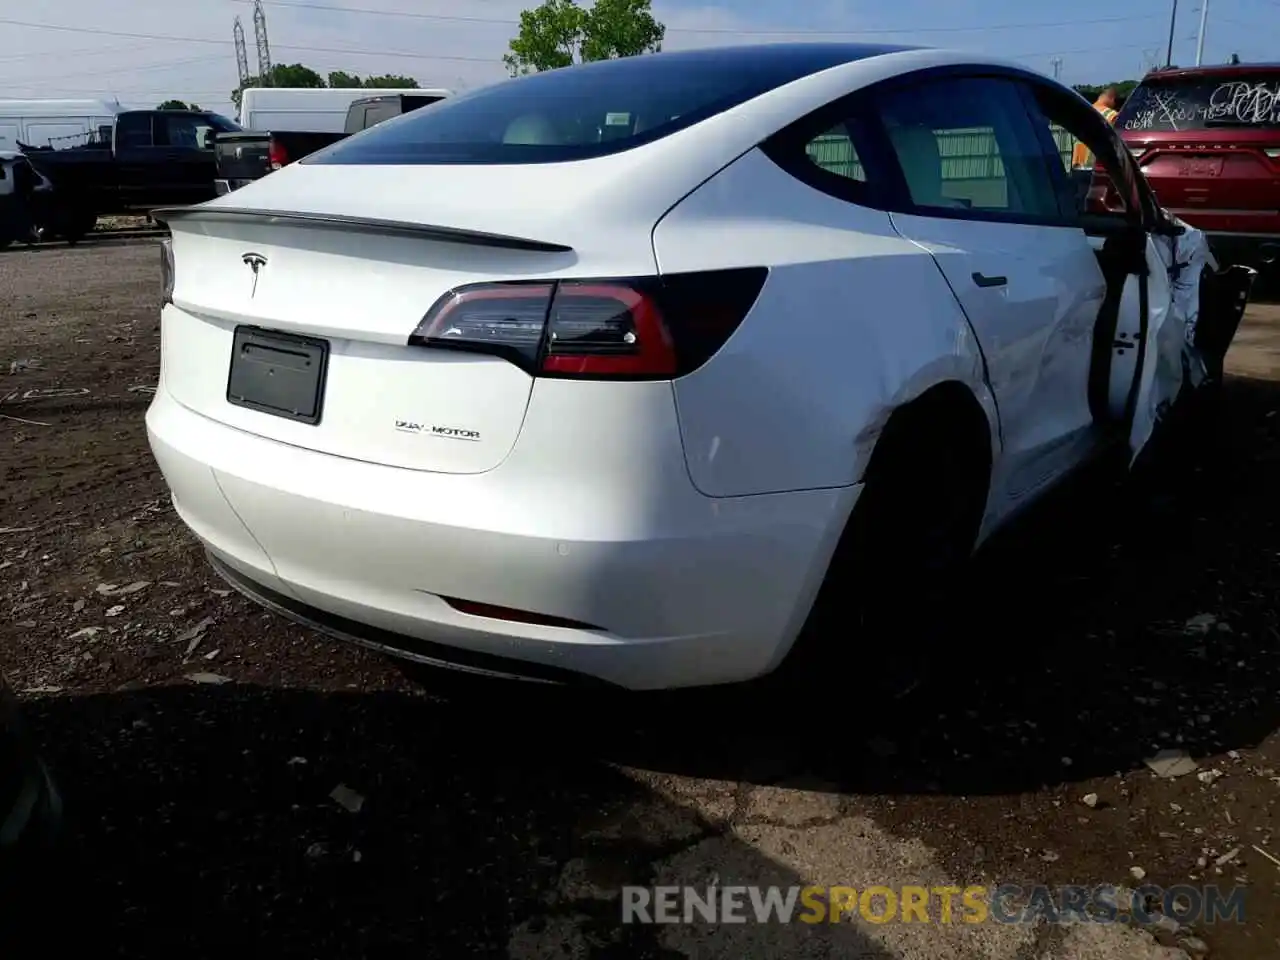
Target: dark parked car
(1208, 140)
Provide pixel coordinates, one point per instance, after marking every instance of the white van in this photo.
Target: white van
(53, 123)
(309, 110)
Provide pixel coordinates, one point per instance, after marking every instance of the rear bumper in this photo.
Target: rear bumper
(1251, 238)
(708, 591)
(1258, 252)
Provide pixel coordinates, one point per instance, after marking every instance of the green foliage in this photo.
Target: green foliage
(297, 75)
(1091, 91)
(559, 33)
(390, 81)
(344, 80)
(178, 105)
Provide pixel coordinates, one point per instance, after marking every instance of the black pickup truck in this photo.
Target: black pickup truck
(245, 156)
(153, 158)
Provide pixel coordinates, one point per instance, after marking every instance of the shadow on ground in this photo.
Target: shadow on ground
(202, 823)
(1120, 619)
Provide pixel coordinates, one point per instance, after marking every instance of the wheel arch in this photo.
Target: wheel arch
(948, 407)
(945, 406)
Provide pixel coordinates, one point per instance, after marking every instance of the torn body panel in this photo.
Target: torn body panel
(1194, 311)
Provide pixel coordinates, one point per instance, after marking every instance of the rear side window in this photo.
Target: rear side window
(833, 151)
(378, 112)
(967, 145)
(586, 111)
(1172, 104)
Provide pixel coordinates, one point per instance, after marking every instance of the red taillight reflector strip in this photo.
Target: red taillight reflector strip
(607, 329)
(646, 328)
(493, 612)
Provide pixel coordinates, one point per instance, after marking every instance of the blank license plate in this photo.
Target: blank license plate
(1200, 166)
(278, 373)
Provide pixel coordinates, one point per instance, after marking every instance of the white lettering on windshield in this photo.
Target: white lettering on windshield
(1234, 102)
(1244, 102)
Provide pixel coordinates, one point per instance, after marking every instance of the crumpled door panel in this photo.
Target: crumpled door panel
(1194, 310)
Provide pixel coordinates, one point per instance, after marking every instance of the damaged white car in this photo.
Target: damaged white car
(602, 373)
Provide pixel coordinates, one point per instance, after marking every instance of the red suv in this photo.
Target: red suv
(1208, 140)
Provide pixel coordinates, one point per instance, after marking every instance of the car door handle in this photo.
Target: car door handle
(982, 280)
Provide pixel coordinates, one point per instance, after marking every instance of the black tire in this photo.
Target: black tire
(887, 602)
(5, 241)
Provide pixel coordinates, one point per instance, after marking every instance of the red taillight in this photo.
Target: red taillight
(626, 329)
(277, 156)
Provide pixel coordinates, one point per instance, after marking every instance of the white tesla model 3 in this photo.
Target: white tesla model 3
(603, 372)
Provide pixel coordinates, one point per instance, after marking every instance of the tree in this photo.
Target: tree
(344, 80)
(296, 75)
(1091, 91)
(390, 81)
(559, 33)
(282, 75)
(178, 105)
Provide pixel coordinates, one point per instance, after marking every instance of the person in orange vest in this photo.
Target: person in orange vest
(1106, 104)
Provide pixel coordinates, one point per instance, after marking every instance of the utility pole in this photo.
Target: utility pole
(264, 48)
(1056, 62)
(1204, 17)
(1173, 22)
(242, 54)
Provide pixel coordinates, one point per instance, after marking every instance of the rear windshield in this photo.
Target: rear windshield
(222, 124)
(588, 110)
(1198, 103)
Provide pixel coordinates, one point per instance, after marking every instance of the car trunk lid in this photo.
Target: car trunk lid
(321, 295)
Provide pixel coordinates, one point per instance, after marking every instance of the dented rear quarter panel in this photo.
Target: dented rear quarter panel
(853, 322)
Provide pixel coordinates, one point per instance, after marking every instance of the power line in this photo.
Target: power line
(358, 52)
(82, 52)
(451, 18)
(403, 54)
(1084, 51)
(158, 65)
(162, 38)
(204, 94)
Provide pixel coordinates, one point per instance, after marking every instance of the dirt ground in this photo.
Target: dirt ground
(200, 742)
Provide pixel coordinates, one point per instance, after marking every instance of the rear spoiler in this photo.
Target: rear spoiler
(349, 224)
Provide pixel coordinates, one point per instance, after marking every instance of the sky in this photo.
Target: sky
(144, 51)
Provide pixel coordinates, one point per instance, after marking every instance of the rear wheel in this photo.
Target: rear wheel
(81, 227)
(888, 603)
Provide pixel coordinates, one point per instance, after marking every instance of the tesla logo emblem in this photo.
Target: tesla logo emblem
(255, 262)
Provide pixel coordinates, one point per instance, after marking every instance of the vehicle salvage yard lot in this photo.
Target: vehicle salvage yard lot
(236, 780)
